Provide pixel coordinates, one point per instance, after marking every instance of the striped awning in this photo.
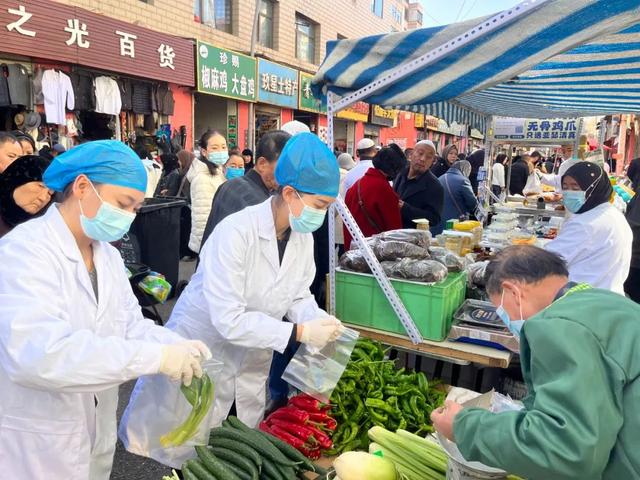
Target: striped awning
(564, 58)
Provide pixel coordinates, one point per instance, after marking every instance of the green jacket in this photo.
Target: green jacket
(581, 420)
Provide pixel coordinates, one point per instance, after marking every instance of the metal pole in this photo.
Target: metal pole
(333, 260)
(254, 40)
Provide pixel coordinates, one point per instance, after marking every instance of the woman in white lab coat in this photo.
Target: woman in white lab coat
(256, 268)
(596, 239)
(71, 329)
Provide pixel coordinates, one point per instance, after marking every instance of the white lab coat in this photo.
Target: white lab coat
(62, 355)
(597, 247)
(237, 299)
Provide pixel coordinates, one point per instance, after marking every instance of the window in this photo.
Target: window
(396, 13)
(215, 13)
(265, 23)
(377, 7)
(305, 39)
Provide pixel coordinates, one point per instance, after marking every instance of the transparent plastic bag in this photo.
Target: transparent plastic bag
(156, 407)
(428, 271)
(317, 373)
(449, 259)
(354, 261)
(395, 250)
(421, 238)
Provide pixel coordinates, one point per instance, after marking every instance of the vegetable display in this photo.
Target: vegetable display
(200, 396)
(237, 452)
(304, 424)
(372, 392)
(361, 465)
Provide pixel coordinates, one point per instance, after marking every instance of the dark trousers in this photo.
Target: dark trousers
(632, 285)
(278, 388)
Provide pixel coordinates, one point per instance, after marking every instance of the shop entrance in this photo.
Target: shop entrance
(267, 119)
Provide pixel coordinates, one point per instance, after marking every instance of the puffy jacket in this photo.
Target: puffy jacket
(203, 189)
(459, 199)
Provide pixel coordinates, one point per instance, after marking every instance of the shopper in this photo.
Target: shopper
(498, 183)
(346, 164)
(185, 159)
(205, 176)
(459, 200)
(421, 195)
(23, 195)
(247, 155)
(568, 160)
(443, 163)
(372, 201)
(256, 269)
(169, 183)
(595, 240)
(71, 329)
(632, 284)
(366, 150)
(234, 167)
(519, 175)
(476, 159)
(581, 368)
(10, 150)
(26, 142)
(251, 189)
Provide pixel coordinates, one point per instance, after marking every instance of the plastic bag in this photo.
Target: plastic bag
(449, 259)
(318, 373)
(422, 238)
(475, 273)
(156, 407)
(156, 285)
(354, 260)
(533, 185)
(428, 271)
(395, 250)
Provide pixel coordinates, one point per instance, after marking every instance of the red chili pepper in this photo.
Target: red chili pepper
(265, 427)
(305, 433)
(310, 453)
(290, 414)
(322, 420)
(287, 437)
(307, 403)
(322, 438)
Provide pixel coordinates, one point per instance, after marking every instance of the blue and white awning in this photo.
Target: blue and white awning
(563, 58)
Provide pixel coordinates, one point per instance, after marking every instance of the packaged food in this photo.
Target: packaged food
(421, 238)
(523, 238)
(453, 262)
(394, 250)
(428, 271)
(354, 260)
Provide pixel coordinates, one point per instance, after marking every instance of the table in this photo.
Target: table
(455, 352)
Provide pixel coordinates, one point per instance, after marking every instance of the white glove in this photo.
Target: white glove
(181, 361)
(317, 333)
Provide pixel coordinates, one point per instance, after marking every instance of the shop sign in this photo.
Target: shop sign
(54, 31)
(418, 120)
(383, 116)
(359, 112)
(535, 130)
(477, 134)
(431, 122)
(277, 84)
(307, 100)
(225, 73)
(401, 142)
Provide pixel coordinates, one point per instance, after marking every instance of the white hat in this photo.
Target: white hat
(346, 161)
(295, 127)
(365, 144)
(428, 143)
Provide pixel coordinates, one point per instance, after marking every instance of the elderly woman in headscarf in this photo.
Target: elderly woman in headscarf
(459, 199)
(23, 195)
(443, 163)
(596, 239)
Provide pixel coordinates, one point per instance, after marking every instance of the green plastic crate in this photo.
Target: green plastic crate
(361, 301)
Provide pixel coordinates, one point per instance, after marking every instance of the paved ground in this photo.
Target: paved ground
(132, 467)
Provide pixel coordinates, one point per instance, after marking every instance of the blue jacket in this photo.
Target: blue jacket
(459, 198)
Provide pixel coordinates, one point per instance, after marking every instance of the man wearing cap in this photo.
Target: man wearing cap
(366, 149)
(72, 330)
(421, 194)
(255, 269)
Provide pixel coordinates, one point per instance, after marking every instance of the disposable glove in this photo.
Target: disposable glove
(181, 361)
(198, 348)
(318, 333)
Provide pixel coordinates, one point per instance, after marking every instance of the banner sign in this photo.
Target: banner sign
(226, 73)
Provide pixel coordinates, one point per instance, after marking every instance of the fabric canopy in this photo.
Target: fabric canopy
(563, 58)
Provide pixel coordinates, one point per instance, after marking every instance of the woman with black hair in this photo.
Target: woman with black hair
(169, 183)
(247, 155)
(595, 240)
(498, 183)
(205, 176)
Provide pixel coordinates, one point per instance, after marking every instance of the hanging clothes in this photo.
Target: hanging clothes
(4, 87)
(36, 90)
(19, 87)
(57, 91)
(125, 93)
(164, 99)
(107, 96)
(85, 97)
(141, 97)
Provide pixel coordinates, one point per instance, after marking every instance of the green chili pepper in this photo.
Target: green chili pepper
(378, 418)
(413, 403)
(359, 412)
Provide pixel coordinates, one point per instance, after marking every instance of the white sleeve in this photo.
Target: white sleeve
(201, 202)
(68, 92)
(571, 242)
(39, 347)
(498, 171)
(550, 180)
(49, 96)
(224, 267)
(304, 307)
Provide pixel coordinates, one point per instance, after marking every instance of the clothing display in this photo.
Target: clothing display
(107, 96)
(5, 100)
(141, 97)
(85, 97)
(38, 97)
(125, 93)
(58, 92)
(164, 99)
(19, 86)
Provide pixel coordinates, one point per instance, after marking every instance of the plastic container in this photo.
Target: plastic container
(361, 301)
(156, 230)
(473, 227)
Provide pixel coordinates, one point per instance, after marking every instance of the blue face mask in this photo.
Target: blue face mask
(310, 220)
(233, 172)
(514, 326)
(109, 224)
(573, 200)
(218, 158)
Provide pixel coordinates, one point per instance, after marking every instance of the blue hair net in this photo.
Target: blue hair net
(102, 161)
(307, 165)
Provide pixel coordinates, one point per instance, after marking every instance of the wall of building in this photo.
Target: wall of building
(183, 111)
(404, 133)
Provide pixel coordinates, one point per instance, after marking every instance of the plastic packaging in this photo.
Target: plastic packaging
(395, 250)
(450, 260)
(421, 238)
(156, 285)
(428, 271)
(318, 373)
(475, 273)
(156, 407)
(354, 260)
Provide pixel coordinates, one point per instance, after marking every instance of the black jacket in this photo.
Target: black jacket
(423, 197)
(519, 176)
(440, 167)
(233, 196)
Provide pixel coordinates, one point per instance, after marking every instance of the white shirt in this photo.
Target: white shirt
(108, 98)
(498, 175)
(356, 173)
(57, 91)
(597, 247)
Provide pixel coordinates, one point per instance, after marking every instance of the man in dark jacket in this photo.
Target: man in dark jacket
(519, 175)
(421, 195)
(252, 188)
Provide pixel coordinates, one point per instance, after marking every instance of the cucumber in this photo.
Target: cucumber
(239, 449)
(291, 453)
(213, 465)
(188, 474)
(260, 437)
(198, 470)
(238, 460)
(238, 471)
(286, 472)
(270, 470)
(253, 440)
